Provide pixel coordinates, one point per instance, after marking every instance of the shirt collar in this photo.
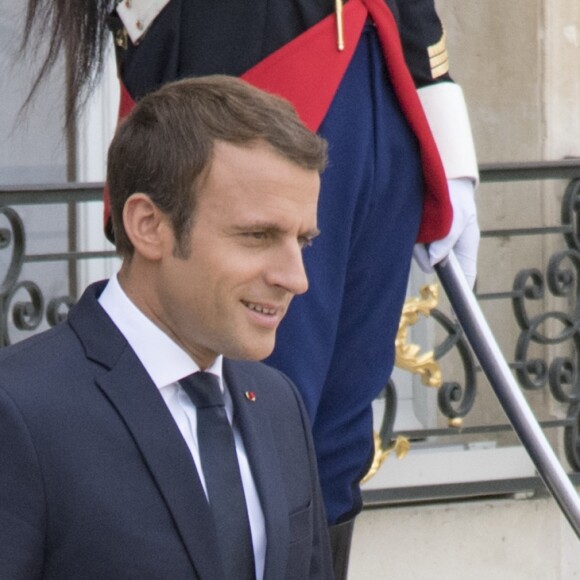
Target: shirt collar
(164, 360)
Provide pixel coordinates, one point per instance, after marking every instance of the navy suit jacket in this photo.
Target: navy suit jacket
(96, 481)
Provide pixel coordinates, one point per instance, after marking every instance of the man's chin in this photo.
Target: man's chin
(253, 353)
(263, 354)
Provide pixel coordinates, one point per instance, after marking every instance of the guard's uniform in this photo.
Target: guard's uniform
(385, 186)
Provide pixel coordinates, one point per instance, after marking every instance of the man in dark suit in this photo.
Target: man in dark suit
(214, 188)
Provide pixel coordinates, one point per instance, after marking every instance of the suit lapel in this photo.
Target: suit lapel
(139, 403)
(254, 424)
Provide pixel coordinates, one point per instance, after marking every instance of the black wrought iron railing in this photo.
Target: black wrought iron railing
(535, 308)
(41, 254)
(529, 287)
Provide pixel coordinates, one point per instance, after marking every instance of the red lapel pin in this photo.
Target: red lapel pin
(251, 396)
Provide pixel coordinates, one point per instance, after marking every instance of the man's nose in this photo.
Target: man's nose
(288, 271)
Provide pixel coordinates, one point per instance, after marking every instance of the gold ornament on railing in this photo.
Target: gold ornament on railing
(408, 357)
(400, 446)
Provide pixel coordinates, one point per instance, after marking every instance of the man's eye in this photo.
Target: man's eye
(258, 235)
(305, 242)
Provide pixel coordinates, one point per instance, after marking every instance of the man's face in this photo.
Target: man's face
(255, 214)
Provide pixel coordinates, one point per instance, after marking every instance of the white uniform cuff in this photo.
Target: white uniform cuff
(138, 15)
(446, 112)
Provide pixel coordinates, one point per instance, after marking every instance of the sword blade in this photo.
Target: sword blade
(507, 390)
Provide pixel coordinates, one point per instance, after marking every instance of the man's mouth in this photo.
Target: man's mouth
(261, 308)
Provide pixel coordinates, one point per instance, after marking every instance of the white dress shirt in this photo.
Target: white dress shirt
(166, 363)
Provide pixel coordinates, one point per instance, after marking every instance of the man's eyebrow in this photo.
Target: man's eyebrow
(271, 227)
(257, 225)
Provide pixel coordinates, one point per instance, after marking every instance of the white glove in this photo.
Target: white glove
(463, 237)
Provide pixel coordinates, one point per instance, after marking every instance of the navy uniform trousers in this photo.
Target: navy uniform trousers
(337, 340)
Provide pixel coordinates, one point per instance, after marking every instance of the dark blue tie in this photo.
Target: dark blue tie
(222, 475)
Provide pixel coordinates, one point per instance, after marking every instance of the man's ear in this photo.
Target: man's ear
(146, 226)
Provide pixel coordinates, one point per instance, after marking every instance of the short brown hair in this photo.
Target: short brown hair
(166, 143)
